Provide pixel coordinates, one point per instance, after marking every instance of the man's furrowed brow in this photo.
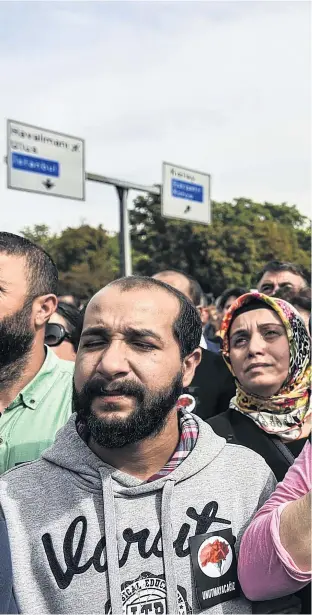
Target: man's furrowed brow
(129, 332)
(138, 332)
(96, 330)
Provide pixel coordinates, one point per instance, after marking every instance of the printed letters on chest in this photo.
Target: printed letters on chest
(75, 538)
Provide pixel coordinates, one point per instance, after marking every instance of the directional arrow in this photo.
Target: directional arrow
(48, 184)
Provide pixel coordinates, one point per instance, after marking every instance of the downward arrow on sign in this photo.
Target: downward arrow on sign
(48, 184)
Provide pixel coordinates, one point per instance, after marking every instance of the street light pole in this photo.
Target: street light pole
(123, 188)
(124, 234)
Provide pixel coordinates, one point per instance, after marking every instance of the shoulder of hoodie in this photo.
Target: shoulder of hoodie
(246, 458)
(15, 474)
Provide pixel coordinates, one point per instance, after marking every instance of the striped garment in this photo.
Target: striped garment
(188, 439)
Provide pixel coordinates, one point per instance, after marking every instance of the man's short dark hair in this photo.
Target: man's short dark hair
(187, 327)
(276, 266)
(41, 270)
(236, 292)
(195, 289)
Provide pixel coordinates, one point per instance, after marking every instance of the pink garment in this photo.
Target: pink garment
(265, 568)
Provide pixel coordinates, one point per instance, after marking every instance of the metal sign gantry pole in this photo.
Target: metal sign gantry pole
(123, 188)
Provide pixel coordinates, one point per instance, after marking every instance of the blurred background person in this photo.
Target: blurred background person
(267, 348)
(277, 275)
(212, 386)
(224, 302)
(70, 299)
(213, 324)
(301, 300)
(63, 331)
(228, 297)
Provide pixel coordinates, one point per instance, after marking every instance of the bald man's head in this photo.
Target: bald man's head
(176, 280)
(186, 284)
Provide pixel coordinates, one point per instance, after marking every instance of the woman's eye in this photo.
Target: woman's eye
(240, 341)
(271, 333)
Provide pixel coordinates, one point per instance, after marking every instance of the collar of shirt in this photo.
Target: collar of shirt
(188, 438)
(34, 391)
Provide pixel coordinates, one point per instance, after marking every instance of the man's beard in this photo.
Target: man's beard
(146, 420)
(16, 339)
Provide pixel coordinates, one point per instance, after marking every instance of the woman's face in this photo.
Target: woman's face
(259, 352)
(65, 350)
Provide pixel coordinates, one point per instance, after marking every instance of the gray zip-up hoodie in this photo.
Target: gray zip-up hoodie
(87, 538)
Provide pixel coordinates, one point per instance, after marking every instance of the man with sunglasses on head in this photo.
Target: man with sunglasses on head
(35, 385)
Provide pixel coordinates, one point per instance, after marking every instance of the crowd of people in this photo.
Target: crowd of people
(155, 446)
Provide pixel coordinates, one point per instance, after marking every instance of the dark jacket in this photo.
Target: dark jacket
(212, 386)
(7, 601)
(239, 429)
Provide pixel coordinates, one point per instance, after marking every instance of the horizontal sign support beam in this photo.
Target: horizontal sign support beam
(120, 183)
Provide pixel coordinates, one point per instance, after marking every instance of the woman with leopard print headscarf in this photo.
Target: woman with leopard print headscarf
(268, 350)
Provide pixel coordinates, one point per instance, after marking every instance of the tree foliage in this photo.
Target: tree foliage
(243, 236)
(87, 258)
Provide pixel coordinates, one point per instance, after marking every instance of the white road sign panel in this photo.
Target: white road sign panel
(185, 194)
(44, 161)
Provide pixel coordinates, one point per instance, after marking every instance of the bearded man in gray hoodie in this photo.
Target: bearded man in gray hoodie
(138, 507)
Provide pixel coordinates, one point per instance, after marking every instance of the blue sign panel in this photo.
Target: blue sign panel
(185, 190)
(35, 165)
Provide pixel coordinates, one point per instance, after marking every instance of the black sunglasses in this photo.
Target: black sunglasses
(55, 334)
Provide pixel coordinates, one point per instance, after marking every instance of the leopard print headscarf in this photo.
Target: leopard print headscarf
(285, 413)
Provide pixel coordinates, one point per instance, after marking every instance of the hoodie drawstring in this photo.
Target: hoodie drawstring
(167, 545)
(114, 582)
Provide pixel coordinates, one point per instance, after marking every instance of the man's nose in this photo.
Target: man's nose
(113, 362)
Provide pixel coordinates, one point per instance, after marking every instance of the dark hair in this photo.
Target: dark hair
(203, 300)
(187, 327)
(280, 266)
(300, 299)
(75, 301)
(236, 292)
(42, 273)
(74, 321)
(195, 288)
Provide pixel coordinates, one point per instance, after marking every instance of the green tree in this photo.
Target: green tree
(243, 236)
(87, 258)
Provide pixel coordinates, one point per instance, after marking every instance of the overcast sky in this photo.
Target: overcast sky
(222, 87)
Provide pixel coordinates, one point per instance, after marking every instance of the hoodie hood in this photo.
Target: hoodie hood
(71, 453)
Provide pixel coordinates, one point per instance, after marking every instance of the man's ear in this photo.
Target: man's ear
(189, 366)
(43, 308)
